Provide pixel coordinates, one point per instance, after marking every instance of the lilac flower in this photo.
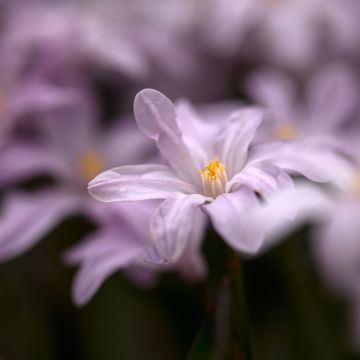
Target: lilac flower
(330, 100)
(336, 246)
(335, 212)
(211, 166)
(77, 34)
(290, 33)
(142, 45)
(74, 150)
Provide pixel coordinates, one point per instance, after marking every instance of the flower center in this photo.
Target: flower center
(91, 164)
(214, 178)
(286, 131)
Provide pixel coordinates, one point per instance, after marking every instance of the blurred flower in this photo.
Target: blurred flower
(335, 212)
(330, 98)
(211, 167)
(336, 246)
(292, 33)
(74, 150)
(116, 38)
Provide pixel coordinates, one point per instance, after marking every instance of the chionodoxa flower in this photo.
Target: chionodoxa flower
(212, 170)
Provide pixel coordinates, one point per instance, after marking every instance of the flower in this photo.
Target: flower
(73, 151)
(329, 101)
(212, 167)
(335, 212)
(289, 33)
(336, 244)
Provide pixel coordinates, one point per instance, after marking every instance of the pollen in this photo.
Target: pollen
(214, 178)
(91, 164)
(286, 132)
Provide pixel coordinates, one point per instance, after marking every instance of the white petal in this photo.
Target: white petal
(137, 182)
(172, 227)
(235, 137)
(156, 117)
(233, 216)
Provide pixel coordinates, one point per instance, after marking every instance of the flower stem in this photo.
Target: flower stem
(240, 332)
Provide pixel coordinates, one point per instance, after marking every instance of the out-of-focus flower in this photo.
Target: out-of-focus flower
(319, 114)
(211, 167)
(117, 37)
(336, 246)
(292, 33)
(74, 150)
(335, 212)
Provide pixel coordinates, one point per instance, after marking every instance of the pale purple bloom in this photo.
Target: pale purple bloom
(290, 33)
(212, 169)
(73, 151)
(335, 241)
(318, 114)
(337, 246)
(335, 212)
(76, 33)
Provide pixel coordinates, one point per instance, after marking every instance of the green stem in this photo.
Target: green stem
(240, 345)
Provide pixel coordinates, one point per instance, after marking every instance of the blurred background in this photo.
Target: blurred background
(69, 71)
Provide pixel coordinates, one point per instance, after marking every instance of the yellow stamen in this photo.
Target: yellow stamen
(91, 164)
(214, 178)
(286, 131)
(212, 169)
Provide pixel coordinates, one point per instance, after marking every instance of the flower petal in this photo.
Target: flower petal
(21, 162)
(333, 95)
(137, 182)
(274, 90)
(235, 137)
(197, 134)
(317, 163)
(337, 248)
(126, 135)
(262, 177)
(174, 227)
(100, 255)
(156, 117)
(26, 218)
(192, 263)
(233, 216)
(288, 209)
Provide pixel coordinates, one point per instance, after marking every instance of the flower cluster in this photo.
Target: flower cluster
(253, 130)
